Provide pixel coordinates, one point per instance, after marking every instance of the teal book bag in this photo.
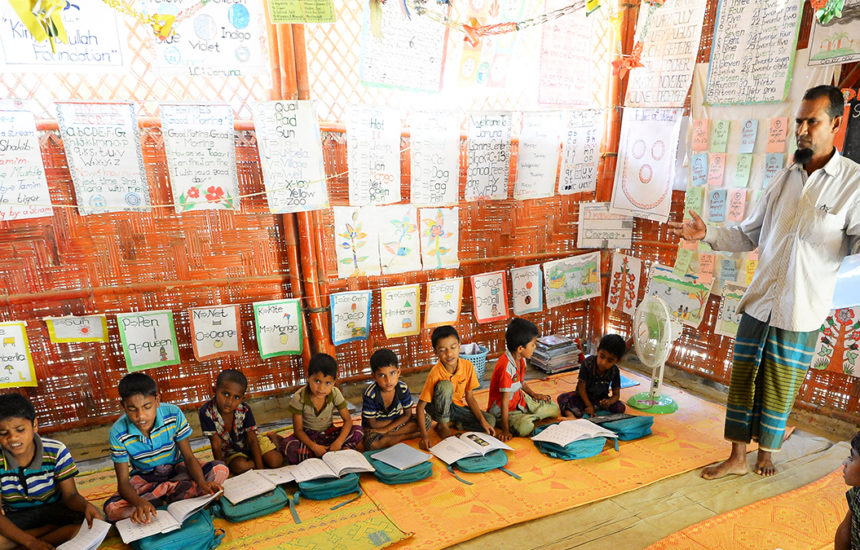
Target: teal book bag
(324, 489)
(197, 533)
(628, 429)
(584, 448)
(494, 460)
(394, 476)
(260, 505)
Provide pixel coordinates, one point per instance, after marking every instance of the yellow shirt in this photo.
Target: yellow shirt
(463, 380)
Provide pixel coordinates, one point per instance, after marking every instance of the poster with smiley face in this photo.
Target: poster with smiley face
(527, 286)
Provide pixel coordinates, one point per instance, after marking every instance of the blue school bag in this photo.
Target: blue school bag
(494, 460)
(631, 428)
(584, 448)
(394, 476)
(324, 489)
(260, 505)
(197, 533)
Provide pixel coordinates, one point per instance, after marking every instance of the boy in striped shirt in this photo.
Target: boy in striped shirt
(41, 505)
(152, 456)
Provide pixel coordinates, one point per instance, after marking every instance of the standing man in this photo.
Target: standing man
(805, 223)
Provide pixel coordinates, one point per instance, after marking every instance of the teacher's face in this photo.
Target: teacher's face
(814, 128)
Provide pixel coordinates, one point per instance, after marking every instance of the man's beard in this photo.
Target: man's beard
(802, 156)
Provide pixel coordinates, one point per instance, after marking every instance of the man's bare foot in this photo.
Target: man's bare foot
(764, 465)
(443, 430)
(725, 468)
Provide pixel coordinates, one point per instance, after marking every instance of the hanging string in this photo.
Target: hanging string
(472, 30)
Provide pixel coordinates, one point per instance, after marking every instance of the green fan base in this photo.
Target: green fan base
(643, 402)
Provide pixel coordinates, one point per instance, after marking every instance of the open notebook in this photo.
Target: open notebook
(401, 456)
(565, 433)
(451, 449)
(164, 520)
(87, 538)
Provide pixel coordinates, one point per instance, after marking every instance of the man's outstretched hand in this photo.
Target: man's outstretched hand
(693, 229)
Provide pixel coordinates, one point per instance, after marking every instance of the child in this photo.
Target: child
(597, 376)
(312, 407)
(512, 402)
(848, 532)
(386, 411)
(41, 505)
(448, 391)
(152, 456)
(229, 424)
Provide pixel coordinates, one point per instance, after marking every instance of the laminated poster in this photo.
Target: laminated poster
(440, 237)
(699, 169)
(444, 299)
(700, 135)
(407, 52)
(684, 295)
(401, 311)
(302, 11)
(580, 152)
(373, 155)
(279, 327)
(488, 156)
(216, 331)
(749, 132)
(23, 187)
(729, 318)
(600, 228)
(646, 162)
(490, 296)
(527, 289)
(399, 238)
(356, 241)
(201, 157)
(537, 156)
(572, 279)
(566, 58)
(838, 342)
(86, 328)
(434, 143)
(624, 283)
(350, 316)
(288, 137)
(148, 339)
(16, 363)
(102, 144)
(836, 42)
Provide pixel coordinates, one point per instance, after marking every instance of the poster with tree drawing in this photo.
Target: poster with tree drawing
(356, 242)
(572, 279)
(839, 342)
(399, 246)
(685, 296)
(624, 283)
(439, 237)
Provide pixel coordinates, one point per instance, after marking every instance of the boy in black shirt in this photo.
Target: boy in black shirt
(598, 376)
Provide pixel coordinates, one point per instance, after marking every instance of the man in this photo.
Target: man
(805, 223)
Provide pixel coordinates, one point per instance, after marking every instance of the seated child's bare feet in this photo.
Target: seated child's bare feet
(443, 430)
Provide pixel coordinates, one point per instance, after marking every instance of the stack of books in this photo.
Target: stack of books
(556, 353)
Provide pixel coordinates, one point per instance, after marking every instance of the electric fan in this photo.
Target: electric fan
(653, 333)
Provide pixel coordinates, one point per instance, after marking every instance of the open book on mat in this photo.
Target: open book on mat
(87, 538)
(568, 431)
(401, 456)
(451, 449)
(164, 520)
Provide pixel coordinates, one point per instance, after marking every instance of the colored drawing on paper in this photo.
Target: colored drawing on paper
(685, 296)
(434, 142)
(527, 289)
(624, 283)
(444, 299)
(488, 154)
(356, 238)
(837, 42)
(486, 61)
(86, 328)
(216, 331)
(373, 155)
(839, 342)
(148, 339)
(580, 152)
(572, 279)
(279, 327)
(350, 316)
(401, 311)
(439, 237)
(729, 318)
(16, 363)
(490, 296)
(399, 245)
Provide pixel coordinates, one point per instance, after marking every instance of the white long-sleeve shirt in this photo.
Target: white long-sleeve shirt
(803, 227)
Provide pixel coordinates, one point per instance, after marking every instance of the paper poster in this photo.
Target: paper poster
(490, 296)
(700, 135)
(749, 270)
(86, 328)
(836, 42)
(434, 150)
(707, 263)
(350, 316)
(215, 331)
(685, 296)
(537, 156)
(444, 299)
(580, 152)
(373, 155)
(720, 135)
(566, 58)
(728, 270)
(773, 163)
(218, 40)
(403, 51)
(23, 187)
(646, 161)
(488, 156)
(95, 42)
(399, 238)
(776, 135)
(291, 158)
(749, 131)
(440, 237)
(16, 363)
(572, 279)
(401, 311)
(717, 205)
(729, 318)
(839, 342)
(486, 60)
(302, 11)
(148, 339)
(600, 228)
(752, 53)
(102, 144)
(527, 289)
(624, 283)
(683, 259)
(742, 170)
(699, 169)
(694, 199)
(356, 241)
(279, 327)
(716, 169)
(737, 205)
(201, 157)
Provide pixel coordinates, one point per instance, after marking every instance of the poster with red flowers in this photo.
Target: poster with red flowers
(839, 342)
(624, 283)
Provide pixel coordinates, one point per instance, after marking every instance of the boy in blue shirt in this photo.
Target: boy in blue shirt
(41, 505)
(152, 456)
(386, 411)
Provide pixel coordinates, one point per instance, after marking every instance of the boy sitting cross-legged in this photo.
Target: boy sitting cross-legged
(598, 376)
(41, 505)
(386, 412)
(152, 456)
(513, 403)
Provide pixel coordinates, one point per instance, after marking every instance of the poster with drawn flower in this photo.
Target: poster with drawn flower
(439, 237)
(444, 299)
(527, 288)
(350, 316)
(356, 242)
(490, 296)
(16, 363)
(399, 244)
(838, 343)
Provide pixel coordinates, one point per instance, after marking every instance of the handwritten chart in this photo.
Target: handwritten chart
(488, 156)
(537, 157)
(580, 152)
(566, 58)
(401, 311)
(572, 279)
(302, 11)
(216, 331)
(444, 299)
(435, 157)
(527, 289)
(23, 187)
(16, 363)
(86, 328)
(279, 327)
(373, 155)
(350, 316)
(600, 228)
(148, 339)
(490, 296)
